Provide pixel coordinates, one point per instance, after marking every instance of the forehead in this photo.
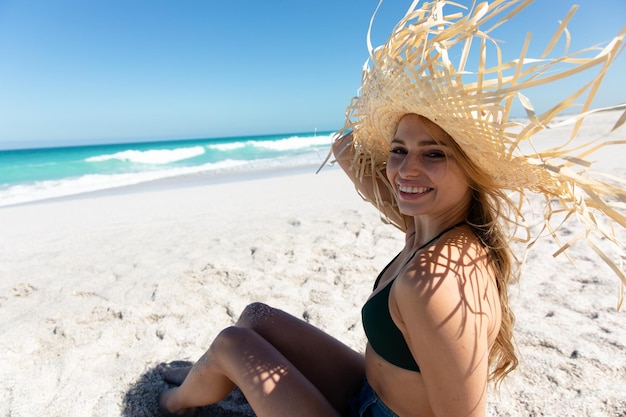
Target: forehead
(413, 127)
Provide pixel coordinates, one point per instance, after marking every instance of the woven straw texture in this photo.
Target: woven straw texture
(471, 99)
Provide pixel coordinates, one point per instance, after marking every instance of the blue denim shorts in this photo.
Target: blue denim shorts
(367, 404)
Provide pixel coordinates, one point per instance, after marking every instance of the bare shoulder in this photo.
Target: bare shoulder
(454, 273)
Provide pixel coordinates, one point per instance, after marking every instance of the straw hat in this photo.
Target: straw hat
(413, 72)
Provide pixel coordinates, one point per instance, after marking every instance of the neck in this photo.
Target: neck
(420, 232)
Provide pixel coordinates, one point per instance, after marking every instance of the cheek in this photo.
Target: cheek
(459, 178)
(440, 171)
(391, 169)
(453, 173)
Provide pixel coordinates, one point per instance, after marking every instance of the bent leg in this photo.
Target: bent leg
(271, 383)
(336, 370)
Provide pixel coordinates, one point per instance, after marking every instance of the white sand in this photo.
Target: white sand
(95, 292)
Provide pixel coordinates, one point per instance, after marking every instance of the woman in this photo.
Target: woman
(443, 300)
(438, 319)
(438, 158)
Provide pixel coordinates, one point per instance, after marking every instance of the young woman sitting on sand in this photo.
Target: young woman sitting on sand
(432, 321)
(435, 156)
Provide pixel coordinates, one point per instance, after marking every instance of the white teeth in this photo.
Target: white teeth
(412, 190)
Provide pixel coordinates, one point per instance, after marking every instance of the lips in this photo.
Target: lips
(413, 190)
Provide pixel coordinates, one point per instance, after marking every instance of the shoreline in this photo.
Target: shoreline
(184, 181)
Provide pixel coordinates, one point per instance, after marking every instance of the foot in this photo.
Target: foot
(174, 375)
(164, 396)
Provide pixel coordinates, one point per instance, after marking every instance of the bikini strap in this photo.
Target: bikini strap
(430, 242)
(384, 270)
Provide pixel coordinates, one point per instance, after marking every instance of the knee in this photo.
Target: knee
(231, 337)
(255, 314)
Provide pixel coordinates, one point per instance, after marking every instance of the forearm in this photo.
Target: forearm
(343, 150)
(370, 187)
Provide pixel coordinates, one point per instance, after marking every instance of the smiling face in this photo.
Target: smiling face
(425, 177)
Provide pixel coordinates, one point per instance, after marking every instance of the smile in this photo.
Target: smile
(413, 190)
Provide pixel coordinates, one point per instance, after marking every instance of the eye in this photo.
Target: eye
(435, 154)
(398, 150)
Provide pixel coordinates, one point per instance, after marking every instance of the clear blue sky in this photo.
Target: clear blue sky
(93, 71)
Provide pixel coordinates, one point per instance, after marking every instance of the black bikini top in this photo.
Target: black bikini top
(382, 333)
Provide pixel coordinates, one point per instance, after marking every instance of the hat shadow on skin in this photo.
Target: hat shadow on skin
(140, 399)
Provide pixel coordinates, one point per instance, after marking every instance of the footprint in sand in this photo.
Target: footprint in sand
(23, 290)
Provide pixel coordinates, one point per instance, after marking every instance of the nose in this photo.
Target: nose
(410, 167)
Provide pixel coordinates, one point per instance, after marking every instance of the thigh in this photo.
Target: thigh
(273, 386)
(334, 368)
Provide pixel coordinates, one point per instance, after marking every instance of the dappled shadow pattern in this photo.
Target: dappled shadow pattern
(141, 398)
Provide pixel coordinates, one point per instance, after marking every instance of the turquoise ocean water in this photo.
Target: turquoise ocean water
(36, 174)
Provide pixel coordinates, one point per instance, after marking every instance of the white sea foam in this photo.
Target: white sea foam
(287, 144)
(225, 147)
(155, 156)
(41, 190)
(293, 143)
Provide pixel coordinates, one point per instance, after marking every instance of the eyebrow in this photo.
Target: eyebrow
(425, 142)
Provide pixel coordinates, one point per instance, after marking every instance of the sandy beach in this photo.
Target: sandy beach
(96, 291)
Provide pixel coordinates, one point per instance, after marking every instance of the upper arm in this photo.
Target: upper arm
(373, 188)
(445, 310)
